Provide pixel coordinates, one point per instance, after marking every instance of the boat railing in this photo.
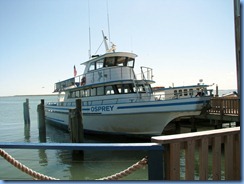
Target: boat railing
(146, 73)
(131, 99)
(106, 75)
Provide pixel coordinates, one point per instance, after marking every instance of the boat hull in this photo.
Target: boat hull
(142, 118)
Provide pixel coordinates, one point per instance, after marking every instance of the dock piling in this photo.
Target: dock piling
(76, 128)
(26, 111)
(41, 121)
(75, 123)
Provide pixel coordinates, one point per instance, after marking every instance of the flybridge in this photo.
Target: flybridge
(61, 86)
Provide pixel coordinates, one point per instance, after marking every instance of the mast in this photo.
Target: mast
(105, 42)
(109, 39)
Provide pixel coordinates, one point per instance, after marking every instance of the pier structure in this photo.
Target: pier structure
(222, 110)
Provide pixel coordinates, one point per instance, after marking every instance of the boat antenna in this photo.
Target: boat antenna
(108, 25)
(89, 52)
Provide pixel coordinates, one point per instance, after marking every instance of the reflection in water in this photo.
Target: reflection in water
(90, 165)
(43, 157)
(27, 132)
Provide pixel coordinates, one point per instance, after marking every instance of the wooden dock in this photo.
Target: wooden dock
(223, 109)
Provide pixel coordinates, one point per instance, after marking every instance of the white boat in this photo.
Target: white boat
(116, 100)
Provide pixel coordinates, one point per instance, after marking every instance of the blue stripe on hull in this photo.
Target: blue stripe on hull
(159, 105)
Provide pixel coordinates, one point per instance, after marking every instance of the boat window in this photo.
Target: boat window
(120, 89)
(109, 90)
(121, 61)
(72, 94)
(93, 91)
(92, 67)
(180, 92)
(190, 92)
(130, 62)
(148, 88)
(99, 64)
(175, 93)
(141, 89)
(110, 61)
(128, 88)
(100, 91)
(185, 92)
(86, 92)
(77, 94)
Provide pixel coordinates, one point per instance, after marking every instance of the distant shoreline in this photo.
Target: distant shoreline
(31, 95)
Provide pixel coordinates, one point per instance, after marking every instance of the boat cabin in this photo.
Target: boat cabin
(111, 73)
(181, 92)
(125, 59)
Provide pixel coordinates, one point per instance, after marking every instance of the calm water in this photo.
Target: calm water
(59, 163)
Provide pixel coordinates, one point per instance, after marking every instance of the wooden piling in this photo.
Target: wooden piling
(193, 125)
(41, 121)
(76, 129)
(75, 123)
(26, 111)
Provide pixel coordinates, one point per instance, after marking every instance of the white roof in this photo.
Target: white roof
(111, 54)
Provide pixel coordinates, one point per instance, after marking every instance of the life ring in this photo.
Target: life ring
(83, 81)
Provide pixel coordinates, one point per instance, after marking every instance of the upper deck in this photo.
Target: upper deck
(111, 59)
(107, 68)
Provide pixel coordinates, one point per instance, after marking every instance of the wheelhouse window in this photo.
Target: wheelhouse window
(109, 61)
(92, 67)
(130, 62)
(99, 64)
(119, 61)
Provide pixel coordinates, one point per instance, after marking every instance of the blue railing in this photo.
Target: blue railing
(155, 151)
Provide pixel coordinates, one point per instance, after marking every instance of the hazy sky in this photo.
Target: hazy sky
(182, 40)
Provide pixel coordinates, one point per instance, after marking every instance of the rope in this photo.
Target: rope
(38, 176)
(23, 168)
(127, 171)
